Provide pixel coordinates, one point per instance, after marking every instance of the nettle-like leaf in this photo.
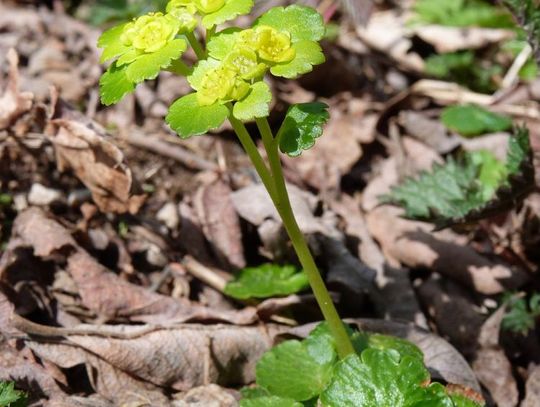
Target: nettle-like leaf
(460, 400)
(473, 120)
(364, 340)
(303, 23)
(302, 125)
(267, 280)
(188, 118)
(114, 85)
(255, 105)
(230, 10)
(9, 396)
(258, 397)
(382, 378)
(468, 189)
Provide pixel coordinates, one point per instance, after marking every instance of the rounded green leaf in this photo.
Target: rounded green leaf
(289, 371)
(364, 340)
(302, 125)
(231, 10)
(308, 54)
(267, 280)
(460, 400)
(473, 120)
(188, 119)
(382, 378)
(148, 66)
(223, 43)
(111, 43)
(114, 85)
(256, 104)
(303, 23)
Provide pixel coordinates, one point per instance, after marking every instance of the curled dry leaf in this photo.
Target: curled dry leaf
(97, 162)
(414, 244)
(13, 102)
(102, 291)
(220, 223)
(532, 389)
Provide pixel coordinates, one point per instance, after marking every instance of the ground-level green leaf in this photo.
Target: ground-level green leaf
(473, 120)
(302, 125)
(308, 54)
(114, 85)
(289, 371)
(265, 281)
(382, 378)
(256, 104)
(9, 396)
(188, 119)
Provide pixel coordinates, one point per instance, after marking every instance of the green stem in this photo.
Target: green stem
(283, 205)
(253, 153)
(196, 45)
(210, 33)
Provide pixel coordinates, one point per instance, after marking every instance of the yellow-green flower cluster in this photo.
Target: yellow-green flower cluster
(149, 33)
(253, 52)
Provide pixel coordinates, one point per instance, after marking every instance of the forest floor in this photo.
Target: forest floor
(117, 238)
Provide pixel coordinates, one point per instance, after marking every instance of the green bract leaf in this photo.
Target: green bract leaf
(256, 104)
(148, 66)
(111, 44)
(114, 84)
(9, 396)
(471, 188)
(223, 43)
(472, 120)
(231, 10)
(308, 54)
(301, 126)
(382, 378)
(267, 280)
(289, 371)
(188, 119)
(303, 23)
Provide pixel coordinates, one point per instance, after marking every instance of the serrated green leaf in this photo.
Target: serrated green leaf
(114, 85)
(468, 189)
(308, 54)
(223, 43)
(303, 23)
(364, 340)
(473, 120)
(231, 10)
(256, 104)
(382, 378)
(9, 396)
(148, 66)
(302, 125)
(289, 371)
(111, 44)
(267, 280)
(188, 119)
(257, 397)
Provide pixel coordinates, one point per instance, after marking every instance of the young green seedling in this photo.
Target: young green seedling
(228, 83)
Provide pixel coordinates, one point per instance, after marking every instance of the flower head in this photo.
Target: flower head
(149, 33)
(244, 61)
(209, 6)
(274, 46)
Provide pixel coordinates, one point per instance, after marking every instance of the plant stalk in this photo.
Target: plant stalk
(196, 45)
(284, 208)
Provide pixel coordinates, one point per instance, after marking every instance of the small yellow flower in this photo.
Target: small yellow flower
(209, 6)
(274, 46)
(245, 62)
(185, 17)
(217, 84)
(150, 33)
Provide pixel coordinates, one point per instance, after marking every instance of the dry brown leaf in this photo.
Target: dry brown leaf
(207, 396)
(102, 291)
(13, 102)
(220, 223)
(415, 245)
(97, 162)
(532, 389)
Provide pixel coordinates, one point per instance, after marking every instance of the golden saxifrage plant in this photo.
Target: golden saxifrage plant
(334, 366)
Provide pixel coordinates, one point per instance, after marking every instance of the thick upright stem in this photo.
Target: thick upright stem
(196, 45)
(283, 205)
